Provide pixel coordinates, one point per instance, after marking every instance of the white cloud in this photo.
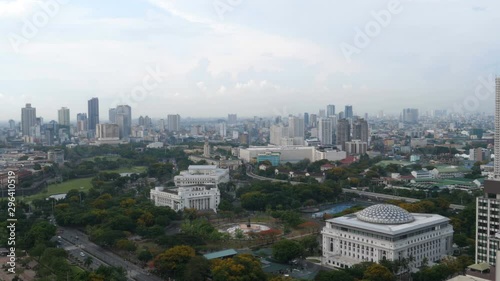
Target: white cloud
(222, 90)
(16, 8)
(201, 85)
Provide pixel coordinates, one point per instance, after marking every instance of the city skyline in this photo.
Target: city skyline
(107, 112)
(198, 60)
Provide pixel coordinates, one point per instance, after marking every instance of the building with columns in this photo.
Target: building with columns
(202, 174)
(199, 197)
(386, 232)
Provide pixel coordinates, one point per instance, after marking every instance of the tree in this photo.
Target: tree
(145, 255)
(254, 201)
(173, 261)
(243, 267)
(40, 232)
(339, 275)
(310, 243)
(377, 272)
(287, 250)
(106, 273)
(126, 245)
(197, 269)
(88, 261)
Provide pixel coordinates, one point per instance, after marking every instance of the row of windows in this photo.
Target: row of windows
(484, 231)
(492, 205)
(381, 237)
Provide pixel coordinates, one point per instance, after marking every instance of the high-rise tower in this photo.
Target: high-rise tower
(343, 132)
(488, 206)
(93, 117)
(325, 131)
(330, 110)
(123, 118)
(348, 112)
(63, 116)
(28, 119)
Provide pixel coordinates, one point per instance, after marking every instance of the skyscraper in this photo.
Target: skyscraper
(123, 118)
(296, 130)
(173, 122)
(325, 131)
(410, 115)
(63, 116)
(348, 112)
(497, 129)
(360, 130)
(112, 115)
(28, 119)
(12, 124)
(330, 110)
(81, 122)
(488, 206)
(343, 132)
(222, 129)
(232, 118)
(93, 116)
(306, 119)
(147, 122)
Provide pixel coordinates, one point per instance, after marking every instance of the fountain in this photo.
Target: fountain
(247, 228)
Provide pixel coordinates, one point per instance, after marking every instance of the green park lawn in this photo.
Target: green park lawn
(64, 187)
(134, 169)
(83, 184)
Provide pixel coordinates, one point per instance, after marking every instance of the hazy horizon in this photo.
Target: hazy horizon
(252, 58)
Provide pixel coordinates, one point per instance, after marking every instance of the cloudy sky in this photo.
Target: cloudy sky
(208, 58)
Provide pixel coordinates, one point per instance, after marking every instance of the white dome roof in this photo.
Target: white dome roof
(385, 214)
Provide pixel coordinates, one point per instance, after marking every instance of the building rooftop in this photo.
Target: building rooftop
(220, 254)
(202, 167)
(419, 221)
(385, 214)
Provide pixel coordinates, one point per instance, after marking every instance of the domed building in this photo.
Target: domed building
(386, 231)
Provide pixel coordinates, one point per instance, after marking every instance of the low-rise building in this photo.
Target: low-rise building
(356, 147)
(292, 154)
(272, 157)
(202, 174)
(56, 156)
(422, 174)
(199, 197)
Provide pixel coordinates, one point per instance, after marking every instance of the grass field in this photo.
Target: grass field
(62, 188)
(109, 158)
(134, 169)
(397, 162)
(66, 186)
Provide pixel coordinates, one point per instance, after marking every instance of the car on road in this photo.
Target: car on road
(82, 254)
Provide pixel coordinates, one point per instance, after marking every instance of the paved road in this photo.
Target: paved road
(252, 175)
(79, 238)
(392, 197)
(73, 249)
(347, 190)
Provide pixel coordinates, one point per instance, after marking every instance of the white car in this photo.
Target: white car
(82, 254)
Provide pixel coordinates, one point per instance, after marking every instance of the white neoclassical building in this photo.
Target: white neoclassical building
(386, 232)
(200, 197)
(202, 174)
